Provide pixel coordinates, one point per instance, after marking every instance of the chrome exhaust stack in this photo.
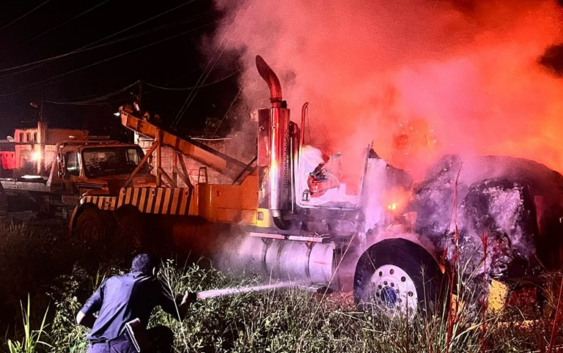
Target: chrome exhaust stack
(272, 80)
(274, 150)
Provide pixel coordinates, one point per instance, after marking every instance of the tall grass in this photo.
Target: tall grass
(294, 320)
(279, 320)
(32, 337)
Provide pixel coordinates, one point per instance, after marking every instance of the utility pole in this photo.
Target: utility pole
(42, 127)
(40, 141)
(140, 96)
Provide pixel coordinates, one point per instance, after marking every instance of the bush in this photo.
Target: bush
(294, 320)
(275, 320)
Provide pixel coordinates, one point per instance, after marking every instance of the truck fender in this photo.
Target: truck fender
(72, 220)
(373, 237)
(109, 217)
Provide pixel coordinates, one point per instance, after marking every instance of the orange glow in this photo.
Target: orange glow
(419, 81)
(396, 199)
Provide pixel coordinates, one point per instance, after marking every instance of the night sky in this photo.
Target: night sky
(84, 59)
(79, 57)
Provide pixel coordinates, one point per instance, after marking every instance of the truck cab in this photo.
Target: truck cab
(80, 166)
(84, 165)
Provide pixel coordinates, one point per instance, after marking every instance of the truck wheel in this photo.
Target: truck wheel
(130, 231)
(397, 278)
(91, 227)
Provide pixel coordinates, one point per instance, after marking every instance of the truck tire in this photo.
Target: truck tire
(92, 227)
(397, 278)
(130, 231)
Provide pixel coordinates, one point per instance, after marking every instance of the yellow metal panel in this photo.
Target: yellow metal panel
(233, 215)
(194, 204)
(120, 201)
(158, 200)
(150, 200)
(135, 197)
(167, 196)
(184, 203)
(498, 293)
(128, 195)
(142, 204)
(263, 218)
(234, 197)
(174, 208)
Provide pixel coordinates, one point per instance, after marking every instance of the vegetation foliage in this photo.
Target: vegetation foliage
(277, 320)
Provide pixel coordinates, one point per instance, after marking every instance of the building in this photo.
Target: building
(32, 150)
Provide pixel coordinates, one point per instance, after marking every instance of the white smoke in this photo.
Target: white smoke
(418, 79)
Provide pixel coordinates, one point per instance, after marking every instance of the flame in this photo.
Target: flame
(396, 199)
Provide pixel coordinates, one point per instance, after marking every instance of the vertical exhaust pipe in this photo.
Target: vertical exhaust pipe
(275, 181)
(272, 80)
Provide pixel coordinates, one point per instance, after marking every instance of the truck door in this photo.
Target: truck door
(67, 169)
(71, 171)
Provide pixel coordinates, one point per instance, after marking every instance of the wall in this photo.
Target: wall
(192, 166)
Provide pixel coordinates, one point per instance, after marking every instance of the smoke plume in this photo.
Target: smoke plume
(418, 78)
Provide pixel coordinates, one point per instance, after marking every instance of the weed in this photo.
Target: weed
(288, 320)
(32, 338)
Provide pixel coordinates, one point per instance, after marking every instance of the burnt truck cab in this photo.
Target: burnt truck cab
(498, 217)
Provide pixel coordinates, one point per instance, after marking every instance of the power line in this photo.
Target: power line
(22, 16)
(97, 100)
(191, 96)
(94, 100)
(44, 61)
(96, 63)
(227, 112)
(193, 87)
(89, 46)
(57, 26)
(140, 23)
(202, 79)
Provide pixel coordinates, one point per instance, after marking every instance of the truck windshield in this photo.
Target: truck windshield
(114, 160)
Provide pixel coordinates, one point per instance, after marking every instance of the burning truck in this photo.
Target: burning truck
(289, 215)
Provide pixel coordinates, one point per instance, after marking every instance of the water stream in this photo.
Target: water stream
(230, 291)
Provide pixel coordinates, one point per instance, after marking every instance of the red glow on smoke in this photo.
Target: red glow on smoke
(416, 81)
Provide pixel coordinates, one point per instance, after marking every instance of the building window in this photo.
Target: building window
(34, 137)
(28, 135)
(21, 137)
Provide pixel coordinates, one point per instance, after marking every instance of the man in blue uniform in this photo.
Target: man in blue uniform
(124, 298)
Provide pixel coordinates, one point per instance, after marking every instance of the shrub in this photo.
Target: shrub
(294, 320)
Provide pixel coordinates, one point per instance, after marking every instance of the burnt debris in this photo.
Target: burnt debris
(506, 212)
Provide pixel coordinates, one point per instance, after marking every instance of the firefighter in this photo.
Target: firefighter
(124, 303)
